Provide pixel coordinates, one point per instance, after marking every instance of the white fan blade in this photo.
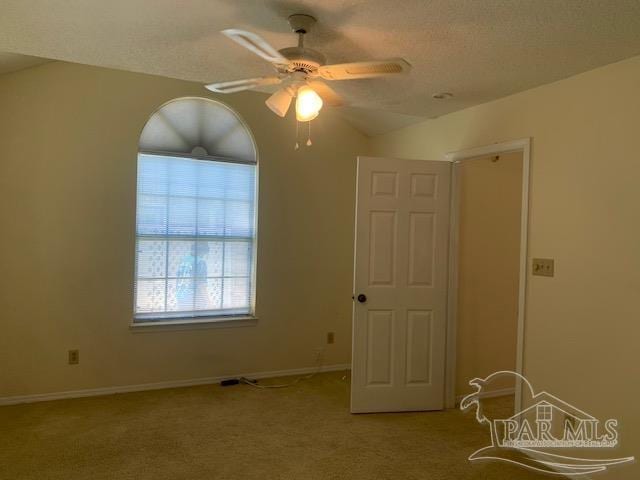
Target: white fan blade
(348, 71)
(328, 94)
(239, 85)
(257, 45)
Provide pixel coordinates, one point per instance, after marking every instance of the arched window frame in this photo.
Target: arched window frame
(210, 132)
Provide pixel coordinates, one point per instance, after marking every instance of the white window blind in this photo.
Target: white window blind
(195, 232)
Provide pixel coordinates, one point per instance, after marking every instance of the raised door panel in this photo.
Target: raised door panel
(382, 244)
(422, 227)
(424, 185)
(380, 328)
(419, 351)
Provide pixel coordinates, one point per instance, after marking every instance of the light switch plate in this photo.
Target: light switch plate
(543, 267)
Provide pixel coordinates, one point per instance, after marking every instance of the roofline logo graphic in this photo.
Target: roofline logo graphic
(526, 437)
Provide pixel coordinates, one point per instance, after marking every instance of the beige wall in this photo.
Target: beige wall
(582, 326)
(68, 137)
(490, 201)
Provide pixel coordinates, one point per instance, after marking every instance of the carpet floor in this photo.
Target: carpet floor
(241, 432)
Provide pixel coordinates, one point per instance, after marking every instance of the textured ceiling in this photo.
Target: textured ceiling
(478, 50)
(11, 62)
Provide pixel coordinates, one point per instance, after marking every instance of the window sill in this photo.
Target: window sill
(194, 323)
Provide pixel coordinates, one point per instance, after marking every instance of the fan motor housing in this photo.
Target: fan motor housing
(303, 59)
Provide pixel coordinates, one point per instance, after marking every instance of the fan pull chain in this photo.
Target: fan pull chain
(309, 142)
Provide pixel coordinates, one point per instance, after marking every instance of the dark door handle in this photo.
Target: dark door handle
(362, 298)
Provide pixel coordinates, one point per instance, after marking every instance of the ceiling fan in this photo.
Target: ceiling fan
(302, 70)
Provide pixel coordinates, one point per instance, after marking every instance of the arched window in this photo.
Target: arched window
(196, 214)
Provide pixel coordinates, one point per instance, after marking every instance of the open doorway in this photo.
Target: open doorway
(487, 268)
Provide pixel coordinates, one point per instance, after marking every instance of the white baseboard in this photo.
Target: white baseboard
(490, 394)
(93, 392)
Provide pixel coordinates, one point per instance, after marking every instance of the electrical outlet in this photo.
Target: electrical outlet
(331, 337)
(74, 357)
(543, 267)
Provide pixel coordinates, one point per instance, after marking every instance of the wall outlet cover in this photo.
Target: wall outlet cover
(74, 357)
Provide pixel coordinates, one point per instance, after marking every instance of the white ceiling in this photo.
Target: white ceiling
(478, 50)
(11, 62)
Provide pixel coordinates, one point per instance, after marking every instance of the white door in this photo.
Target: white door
(400, 285)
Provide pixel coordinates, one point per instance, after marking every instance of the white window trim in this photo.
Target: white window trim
(148, 146)
(192, 323)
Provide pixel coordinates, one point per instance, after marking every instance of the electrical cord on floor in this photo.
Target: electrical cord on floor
(254, 383)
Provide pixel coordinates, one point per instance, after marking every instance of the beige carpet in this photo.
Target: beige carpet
(239, 432)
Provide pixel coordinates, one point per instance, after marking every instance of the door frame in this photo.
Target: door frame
(521, 145)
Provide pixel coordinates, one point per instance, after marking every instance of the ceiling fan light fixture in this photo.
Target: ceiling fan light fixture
(302, 70)
(280, 101)
(308, 104)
